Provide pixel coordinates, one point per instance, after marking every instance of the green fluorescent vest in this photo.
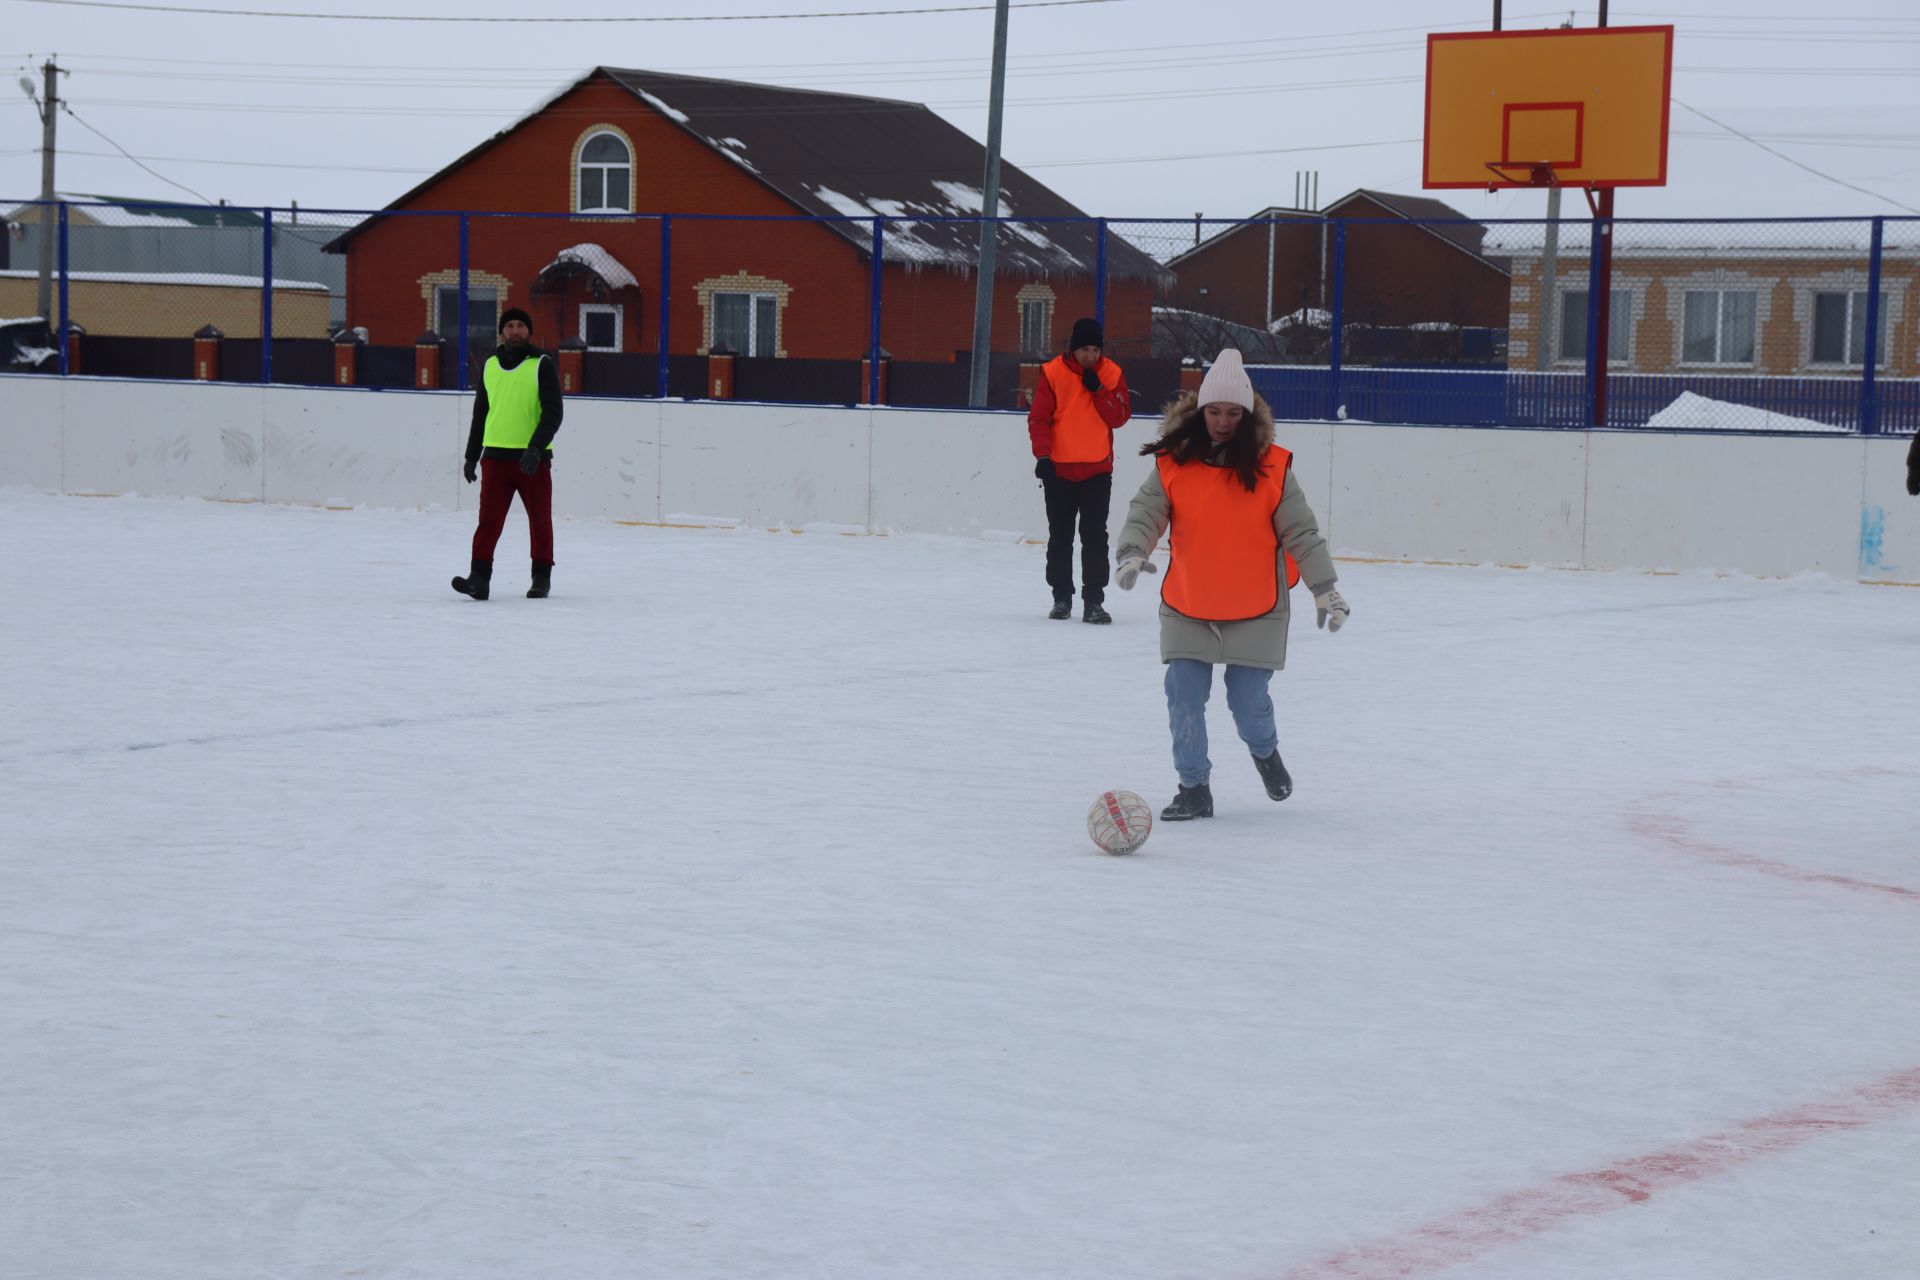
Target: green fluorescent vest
(513, 403)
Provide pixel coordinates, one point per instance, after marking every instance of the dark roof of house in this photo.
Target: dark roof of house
(1437, 216)
(845, 155)
(1434, 216)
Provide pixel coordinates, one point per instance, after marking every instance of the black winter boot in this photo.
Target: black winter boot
(475, 583)
(1274, 774)
(542, 581)
(1096, 613)
(1192, 802)
(1061, 609)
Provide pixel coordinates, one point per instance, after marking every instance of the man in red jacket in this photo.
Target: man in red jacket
(1080, 400)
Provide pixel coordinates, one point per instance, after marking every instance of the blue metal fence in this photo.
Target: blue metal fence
(1745, 324)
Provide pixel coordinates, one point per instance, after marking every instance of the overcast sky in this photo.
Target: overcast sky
(1105, 100)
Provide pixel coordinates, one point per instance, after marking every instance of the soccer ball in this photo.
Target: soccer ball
(1119, 822)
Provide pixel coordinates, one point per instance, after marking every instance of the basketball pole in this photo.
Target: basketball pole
(1601, 245)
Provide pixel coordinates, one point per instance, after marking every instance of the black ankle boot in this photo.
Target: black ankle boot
(1096, 613)
(1274, 774)
(1191, 802)
(542, 581)
(475, 583)
(1061, 609)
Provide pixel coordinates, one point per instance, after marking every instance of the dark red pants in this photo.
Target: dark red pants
(500, 479)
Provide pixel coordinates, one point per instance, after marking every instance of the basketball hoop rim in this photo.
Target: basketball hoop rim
(1534, 169)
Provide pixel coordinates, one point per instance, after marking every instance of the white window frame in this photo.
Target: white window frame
(1617, 353)
(619, 323)
(1856, 321)
(1719, 358)
(754, 299)
(582, 164)
(1036, 323)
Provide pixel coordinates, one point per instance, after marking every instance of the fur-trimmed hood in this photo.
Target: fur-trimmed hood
(1186, 406)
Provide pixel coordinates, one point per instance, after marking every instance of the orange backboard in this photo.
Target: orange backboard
(1591, 103)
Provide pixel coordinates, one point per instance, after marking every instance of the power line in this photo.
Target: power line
(443, 19)
(1795, 163)
(128, 154)
(862, 105)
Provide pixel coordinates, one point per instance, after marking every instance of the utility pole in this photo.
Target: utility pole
(48, 102)
(989, 210)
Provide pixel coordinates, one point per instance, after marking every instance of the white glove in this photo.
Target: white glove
(1330, 609)
(1130, 570)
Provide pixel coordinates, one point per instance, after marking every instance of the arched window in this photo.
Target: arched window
(606, 175)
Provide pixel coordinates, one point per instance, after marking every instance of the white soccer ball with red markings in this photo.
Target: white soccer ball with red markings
(1119, 822)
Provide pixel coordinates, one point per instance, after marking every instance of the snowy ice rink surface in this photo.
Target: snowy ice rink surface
(729, 916)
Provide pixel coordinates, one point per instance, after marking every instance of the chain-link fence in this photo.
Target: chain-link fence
(1755, 325)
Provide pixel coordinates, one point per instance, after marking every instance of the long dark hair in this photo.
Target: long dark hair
(1189, 442)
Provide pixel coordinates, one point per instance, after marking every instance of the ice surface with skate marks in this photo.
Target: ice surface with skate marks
(731, 915)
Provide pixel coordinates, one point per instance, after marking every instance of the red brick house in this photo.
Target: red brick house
(1400, 269)
(616, 146)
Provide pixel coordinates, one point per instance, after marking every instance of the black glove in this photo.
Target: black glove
(471, 471)
(1043, 469)
(530, 460)
(1089, 379)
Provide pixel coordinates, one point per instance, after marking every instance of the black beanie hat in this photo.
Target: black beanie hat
(1086, 333)
(515, 313)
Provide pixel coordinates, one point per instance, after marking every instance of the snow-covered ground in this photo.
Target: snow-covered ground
(730, 916)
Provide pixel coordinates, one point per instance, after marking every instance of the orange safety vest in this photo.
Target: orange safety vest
(1078, 433)
(1224, 551)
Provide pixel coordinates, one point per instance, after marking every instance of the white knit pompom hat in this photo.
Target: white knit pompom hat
(1226, 382)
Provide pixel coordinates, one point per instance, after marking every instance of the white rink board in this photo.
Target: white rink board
(31, 431)
(788, 465)
(168, 438)
(1597, 500)
(1765, 505)
(1889, 516)
(352, 448)
(1458, 494)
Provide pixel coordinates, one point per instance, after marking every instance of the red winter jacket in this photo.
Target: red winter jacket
(1114, 408)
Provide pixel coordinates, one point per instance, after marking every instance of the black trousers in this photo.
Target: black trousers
(1084, 502)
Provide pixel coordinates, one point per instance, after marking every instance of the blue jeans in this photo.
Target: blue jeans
(1188, 684)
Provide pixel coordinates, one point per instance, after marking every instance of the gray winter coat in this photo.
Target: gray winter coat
(1254, 642)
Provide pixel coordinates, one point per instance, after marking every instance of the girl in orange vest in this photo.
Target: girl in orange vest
(1241, 535)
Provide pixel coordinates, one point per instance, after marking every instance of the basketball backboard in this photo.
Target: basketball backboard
(1576, 107)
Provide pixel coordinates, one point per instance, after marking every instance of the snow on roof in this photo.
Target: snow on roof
(180, 278)
(1309, 317)
(598, 261)
(963, 198)
(662, 107)
(1848, 237)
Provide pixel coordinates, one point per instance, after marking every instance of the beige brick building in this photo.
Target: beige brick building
(1762, 299)
(136, 305)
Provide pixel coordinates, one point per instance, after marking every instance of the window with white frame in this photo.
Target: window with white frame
(600, 326)
(747, 323)
(606, 175)
(1573, 326)
(1036, 323)
(1840, 329)
(1717, 326)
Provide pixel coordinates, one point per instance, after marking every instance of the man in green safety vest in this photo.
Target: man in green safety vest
(510, 450)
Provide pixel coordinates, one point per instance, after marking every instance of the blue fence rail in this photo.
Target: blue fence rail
(1744, 324)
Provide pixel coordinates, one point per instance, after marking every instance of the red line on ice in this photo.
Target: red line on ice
(1671, 831)
(1471, 1233)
